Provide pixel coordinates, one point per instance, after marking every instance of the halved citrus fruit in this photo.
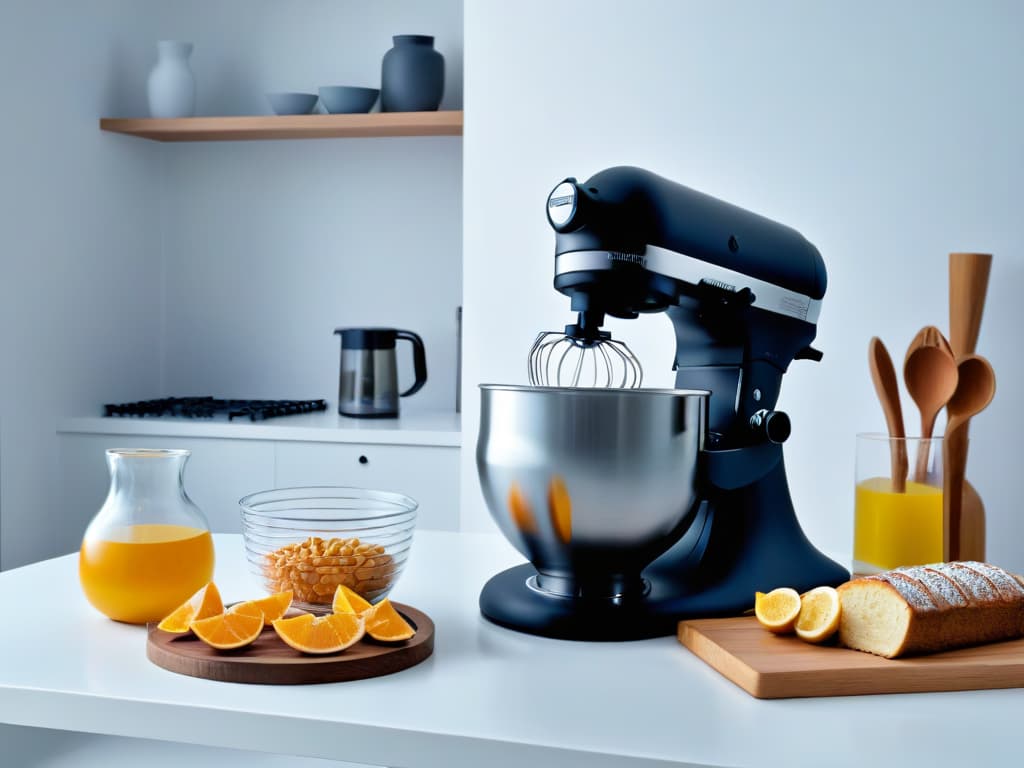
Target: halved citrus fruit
(206, 602)
(321, 634)
(270, 607)
(349, 601)
(229, 630)
(383, 622)
(819, 615)
(777, 610)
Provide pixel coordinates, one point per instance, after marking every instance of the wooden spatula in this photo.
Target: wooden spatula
(883, 374)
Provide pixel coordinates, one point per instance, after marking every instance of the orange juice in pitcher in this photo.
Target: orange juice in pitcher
(149, 548)
(143, 572)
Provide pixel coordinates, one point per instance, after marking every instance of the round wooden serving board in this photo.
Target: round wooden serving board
(269, 661)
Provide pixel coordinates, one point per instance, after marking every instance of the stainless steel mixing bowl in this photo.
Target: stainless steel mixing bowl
(591, 485)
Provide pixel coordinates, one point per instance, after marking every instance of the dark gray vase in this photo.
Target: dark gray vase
(412, 75)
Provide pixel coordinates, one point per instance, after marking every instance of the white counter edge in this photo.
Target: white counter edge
(435, 429)
(263, 732)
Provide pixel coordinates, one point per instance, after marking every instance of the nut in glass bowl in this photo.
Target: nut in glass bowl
(310, 540)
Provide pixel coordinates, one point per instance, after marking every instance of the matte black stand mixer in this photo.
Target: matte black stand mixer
(635, 507)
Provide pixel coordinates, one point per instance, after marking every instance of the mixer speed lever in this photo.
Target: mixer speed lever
(809, 353)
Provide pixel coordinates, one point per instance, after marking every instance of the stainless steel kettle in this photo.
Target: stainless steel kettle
(368, 381)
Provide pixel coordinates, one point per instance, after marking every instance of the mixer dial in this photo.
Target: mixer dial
(773, 426)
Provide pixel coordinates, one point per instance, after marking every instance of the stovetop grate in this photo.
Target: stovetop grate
(208, 407)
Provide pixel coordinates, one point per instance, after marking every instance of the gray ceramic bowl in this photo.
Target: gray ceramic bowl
(590, 484)
(347, 99)
(289, 103)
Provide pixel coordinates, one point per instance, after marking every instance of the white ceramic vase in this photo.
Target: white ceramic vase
(171, 86)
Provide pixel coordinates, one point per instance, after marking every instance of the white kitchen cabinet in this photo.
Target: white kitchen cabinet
(418, 455)
(429, 474)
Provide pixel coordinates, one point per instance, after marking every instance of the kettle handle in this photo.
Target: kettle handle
(419, 360)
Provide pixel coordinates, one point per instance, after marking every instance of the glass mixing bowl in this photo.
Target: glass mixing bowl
(310, 540)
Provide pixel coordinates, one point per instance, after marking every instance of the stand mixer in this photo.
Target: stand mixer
(662, 504)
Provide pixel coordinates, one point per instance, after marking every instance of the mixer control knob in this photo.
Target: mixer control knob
(774, 426)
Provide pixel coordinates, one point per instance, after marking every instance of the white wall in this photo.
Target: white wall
(270, 246)
(888, 134)
(132, 269)
(79, 260)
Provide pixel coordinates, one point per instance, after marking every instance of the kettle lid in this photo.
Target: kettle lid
(367, 338)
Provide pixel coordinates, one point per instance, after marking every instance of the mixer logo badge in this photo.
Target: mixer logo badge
(561, 200)
(630, 258)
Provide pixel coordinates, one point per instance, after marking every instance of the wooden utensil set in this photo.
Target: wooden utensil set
(944, 374)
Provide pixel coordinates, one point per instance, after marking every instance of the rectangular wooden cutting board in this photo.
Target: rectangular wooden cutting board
(774, 667)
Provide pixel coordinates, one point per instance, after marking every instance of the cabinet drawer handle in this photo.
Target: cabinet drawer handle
(363, 460)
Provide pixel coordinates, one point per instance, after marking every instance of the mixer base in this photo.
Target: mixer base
(508, 600)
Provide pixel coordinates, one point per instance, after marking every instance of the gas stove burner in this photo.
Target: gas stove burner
(208, 407)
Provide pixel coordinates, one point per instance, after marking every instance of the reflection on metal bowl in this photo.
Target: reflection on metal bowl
(590, 485)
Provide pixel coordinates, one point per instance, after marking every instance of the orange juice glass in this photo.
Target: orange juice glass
(149, 547)
(891, 527)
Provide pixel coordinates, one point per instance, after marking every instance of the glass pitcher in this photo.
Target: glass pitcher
(149, 547)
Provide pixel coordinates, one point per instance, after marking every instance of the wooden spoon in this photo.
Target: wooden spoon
(968, 281)
(930, 373)
(884, 377)
(976, 386)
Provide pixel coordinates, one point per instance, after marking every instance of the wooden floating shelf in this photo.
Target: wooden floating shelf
(254, 128)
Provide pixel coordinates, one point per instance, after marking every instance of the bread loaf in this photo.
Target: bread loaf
(928, 608)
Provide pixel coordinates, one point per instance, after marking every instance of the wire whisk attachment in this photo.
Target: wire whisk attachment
(560, 360)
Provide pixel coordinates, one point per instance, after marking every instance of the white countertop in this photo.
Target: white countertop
(412, 427)
(488, 696)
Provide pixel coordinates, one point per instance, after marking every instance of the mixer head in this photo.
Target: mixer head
(583, 356)
(743, 292)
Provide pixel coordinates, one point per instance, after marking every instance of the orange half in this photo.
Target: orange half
(349, 601)
(383, 622)
(228, 630)
(321, 634)
(270, 608)
(204, 603)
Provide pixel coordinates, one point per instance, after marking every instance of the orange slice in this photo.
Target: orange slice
(248, 608)
(383, 622)
(270, 607)
(206, 602)
(321, 634)
(819, 615)
(349, 601)
(777, 610)
(228, 630)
